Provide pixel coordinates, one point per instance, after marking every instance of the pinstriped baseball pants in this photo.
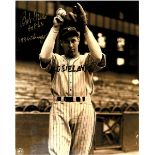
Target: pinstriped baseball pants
(71, 128)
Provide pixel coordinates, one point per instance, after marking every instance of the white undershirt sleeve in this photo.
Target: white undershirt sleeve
(48, 45)
(93, 45)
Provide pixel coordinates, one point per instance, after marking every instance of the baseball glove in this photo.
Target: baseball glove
(78, 16)
(81, 15)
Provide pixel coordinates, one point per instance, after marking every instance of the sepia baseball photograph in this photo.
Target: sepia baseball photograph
(76, 78)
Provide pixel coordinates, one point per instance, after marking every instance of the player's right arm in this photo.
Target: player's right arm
(46, 53)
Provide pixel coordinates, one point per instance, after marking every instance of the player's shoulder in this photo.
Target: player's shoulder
(84, 55)
(57, 56)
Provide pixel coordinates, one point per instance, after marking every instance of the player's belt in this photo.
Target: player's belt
(71, 99)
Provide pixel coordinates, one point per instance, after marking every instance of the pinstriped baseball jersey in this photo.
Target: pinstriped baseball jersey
(72, 77)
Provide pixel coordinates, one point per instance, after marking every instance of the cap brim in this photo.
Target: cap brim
(70, 34)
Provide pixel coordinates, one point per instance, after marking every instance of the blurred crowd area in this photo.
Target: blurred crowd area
(114, 92)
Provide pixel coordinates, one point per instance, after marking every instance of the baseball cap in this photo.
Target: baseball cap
(69, 31)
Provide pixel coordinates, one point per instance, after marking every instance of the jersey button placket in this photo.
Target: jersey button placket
(70, 82)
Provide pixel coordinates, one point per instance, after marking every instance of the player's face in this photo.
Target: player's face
(70, 46)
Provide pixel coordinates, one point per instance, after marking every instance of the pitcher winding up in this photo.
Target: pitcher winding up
(72, 116)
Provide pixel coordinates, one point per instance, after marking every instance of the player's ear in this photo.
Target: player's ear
(78, 38)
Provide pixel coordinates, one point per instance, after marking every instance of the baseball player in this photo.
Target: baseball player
(72, 116)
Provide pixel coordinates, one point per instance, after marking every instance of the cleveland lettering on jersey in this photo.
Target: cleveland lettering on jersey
(70, 68)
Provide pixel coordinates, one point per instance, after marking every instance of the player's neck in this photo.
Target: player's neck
(72, 56)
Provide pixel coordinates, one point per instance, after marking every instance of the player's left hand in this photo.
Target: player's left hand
(73, 17)
(81, 15)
